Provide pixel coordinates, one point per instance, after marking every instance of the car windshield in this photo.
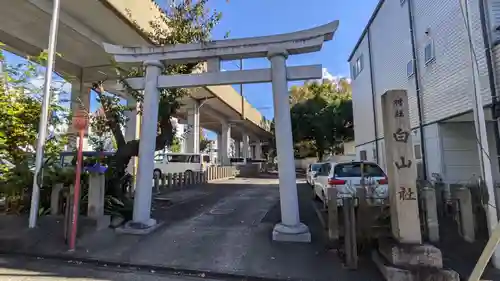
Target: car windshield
(315, 167)
(354, 170)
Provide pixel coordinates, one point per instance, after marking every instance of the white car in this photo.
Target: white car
(346, 178)
(311, 171)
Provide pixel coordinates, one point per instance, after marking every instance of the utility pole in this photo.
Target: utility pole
(42, 128)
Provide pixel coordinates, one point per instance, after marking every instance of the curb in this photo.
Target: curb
(166, 270)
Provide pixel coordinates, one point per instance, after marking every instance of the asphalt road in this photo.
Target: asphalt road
(20, 269)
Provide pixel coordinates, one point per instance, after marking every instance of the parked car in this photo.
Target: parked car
(346, 178)
(312, 169)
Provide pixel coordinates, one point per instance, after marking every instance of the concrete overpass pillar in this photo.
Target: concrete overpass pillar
(258, 150)
(193, 136)
(237, 148)
(80, 100)
(290, 228)
(132, 131)
(246, 147)
(141, 219)
(219, 148)
(225, 143)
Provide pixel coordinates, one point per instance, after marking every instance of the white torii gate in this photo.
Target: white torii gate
(276, 48)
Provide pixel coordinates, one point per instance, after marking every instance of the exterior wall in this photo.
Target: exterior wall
(391, 50)
(446, 82)
(364, 129)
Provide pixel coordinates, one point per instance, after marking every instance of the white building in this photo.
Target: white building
(422, 46)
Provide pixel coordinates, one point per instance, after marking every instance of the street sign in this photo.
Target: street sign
(80, 120)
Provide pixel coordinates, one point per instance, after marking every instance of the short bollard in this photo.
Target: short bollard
(193, 178)
(169, 180)
(164, 181)
(197, 178)
(204, 177)
(180, 179)
(156, 183)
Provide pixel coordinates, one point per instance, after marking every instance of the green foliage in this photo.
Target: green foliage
(182, 24)
(204, 142)
(176, 145)
(20, 107)
(322, 118)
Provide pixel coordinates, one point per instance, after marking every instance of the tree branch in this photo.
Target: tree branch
(111, 118)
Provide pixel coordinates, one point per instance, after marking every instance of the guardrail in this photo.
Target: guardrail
(182, 180)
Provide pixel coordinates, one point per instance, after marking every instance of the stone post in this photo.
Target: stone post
(142, 197)
(466, 218)
(406, 250)
(431, 214)
(290, 228)
(55, 196)
(169, 180)
(401, 168)
(95, 210)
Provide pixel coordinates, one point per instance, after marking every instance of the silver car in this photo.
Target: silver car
(312, 169)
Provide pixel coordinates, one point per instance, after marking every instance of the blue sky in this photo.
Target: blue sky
(244, 18)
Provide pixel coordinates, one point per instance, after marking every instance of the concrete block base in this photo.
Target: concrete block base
(401, 262)
(410, 255)
(296, 233)
(392, 273)
(137, 228)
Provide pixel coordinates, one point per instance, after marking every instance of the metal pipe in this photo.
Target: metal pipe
(374, 99)
(491, 74)
(417, 89)
(42, 128)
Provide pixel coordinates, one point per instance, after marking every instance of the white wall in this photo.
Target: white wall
(364, 130)
(446, 82)
(391, 50)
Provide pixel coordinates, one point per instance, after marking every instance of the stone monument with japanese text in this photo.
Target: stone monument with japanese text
(401, 168)
(404, 257)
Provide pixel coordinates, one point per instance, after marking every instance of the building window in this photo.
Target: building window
(429, 52)
(417, 150)
(362, 155)
(410, 69)
(357, 67)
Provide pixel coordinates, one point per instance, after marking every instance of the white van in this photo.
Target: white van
(180, 163)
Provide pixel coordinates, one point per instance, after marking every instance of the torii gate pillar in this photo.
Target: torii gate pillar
(290, 228)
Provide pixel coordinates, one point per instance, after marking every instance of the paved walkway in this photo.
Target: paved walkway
(15, 269)
(221, 228)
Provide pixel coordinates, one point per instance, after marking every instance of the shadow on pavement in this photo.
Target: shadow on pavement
(220, 230)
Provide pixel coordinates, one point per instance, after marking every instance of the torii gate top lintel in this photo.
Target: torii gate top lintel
(304, 41)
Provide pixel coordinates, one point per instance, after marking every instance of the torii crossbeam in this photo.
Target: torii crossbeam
(276, 48)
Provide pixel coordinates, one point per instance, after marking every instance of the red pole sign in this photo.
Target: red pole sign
(80, 122)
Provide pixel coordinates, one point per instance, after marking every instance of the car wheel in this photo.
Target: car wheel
(189, 174)
(157, 174)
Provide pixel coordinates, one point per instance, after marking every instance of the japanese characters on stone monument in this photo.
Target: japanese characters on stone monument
(401, 168)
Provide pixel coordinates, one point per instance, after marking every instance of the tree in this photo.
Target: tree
(204, 142)
(183, 23)
(20, 107)
(322, 118)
